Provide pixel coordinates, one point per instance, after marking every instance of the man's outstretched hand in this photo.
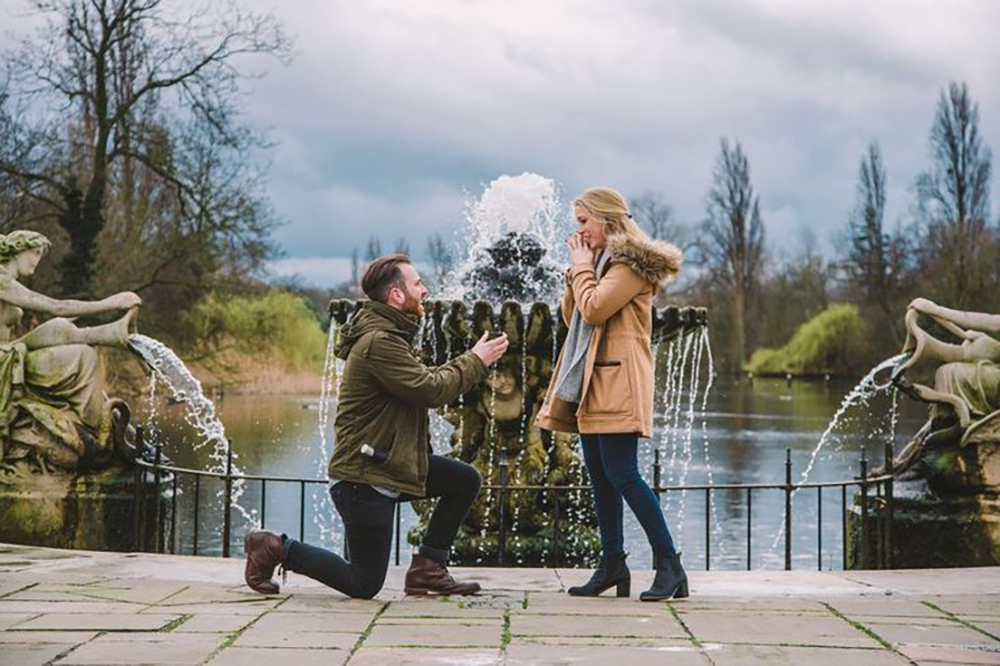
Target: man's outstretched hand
(490, 350)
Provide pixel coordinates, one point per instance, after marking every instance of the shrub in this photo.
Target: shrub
(833, 341)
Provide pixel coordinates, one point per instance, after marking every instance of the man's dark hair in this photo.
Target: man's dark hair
(382, 275)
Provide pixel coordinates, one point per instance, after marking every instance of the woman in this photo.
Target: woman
(602, 385)
(51, 375)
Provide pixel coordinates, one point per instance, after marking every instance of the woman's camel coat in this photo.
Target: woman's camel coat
(618, 377)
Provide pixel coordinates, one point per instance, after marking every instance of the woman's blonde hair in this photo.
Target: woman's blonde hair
(610, 207)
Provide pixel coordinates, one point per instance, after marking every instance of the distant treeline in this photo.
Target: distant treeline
(121, 138)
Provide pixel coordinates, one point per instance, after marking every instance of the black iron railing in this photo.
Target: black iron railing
(164, 536)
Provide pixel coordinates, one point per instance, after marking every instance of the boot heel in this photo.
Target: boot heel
(682, 591)
(625, 588)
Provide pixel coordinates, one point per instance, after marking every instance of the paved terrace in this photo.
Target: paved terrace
(75, 607)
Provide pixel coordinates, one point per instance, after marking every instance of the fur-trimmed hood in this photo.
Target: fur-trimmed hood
(656, 261)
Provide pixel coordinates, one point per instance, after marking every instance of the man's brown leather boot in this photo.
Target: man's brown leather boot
(428, 576)
(263, 549)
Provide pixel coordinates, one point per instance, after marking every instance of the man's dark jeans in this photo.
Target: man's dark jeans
(368, 523)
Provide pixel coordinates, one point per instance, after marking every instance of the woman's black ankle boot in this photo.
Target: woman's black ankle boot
(612, 571)
(671, 581)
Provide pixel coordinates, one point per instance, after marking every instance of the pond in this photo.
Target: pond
(740, 437)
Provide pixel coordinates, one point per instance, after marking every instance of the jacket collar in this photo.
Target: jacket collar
(402, 322)
(656, 261)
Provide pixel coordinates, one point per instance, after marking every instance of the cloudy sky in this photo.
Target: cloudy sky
(394, 112)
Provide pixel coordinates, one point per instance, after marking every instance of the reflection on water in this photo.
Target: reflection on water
(747, 429)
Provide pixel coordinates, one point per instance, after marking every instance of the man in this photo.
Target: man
(383, 453)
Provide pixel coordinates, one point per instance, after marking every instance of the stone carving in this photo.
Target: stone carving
(946, 506)
(965, 398)
(54, 414)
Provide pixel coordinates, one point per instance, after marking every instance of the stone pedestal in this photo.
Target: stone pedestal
(86, 510)
(946, 508)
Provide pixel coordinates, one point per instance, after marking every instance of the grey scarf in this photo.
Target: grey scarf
(569, 384)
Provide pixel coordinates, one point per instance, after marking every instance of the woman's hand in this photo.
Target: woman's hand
(126, 300)
(579, 251)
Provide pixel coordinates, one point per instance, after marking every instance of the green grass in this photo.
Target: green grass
(955, 618)
(862, 628)
(176, 623)
(505, 636)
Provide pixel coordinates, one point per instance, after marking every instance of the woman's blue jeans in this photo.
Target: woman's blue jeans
(614, 474)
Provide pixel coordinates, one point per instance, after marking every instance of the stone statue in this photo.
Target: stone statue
(53, 409)
(946, 488)
(966, 393)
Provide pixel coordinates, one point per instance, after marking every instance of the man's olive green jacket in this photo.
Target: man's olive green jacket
(385, 395)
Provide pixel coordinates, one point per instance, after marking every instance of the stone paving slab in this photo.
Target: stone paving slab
(973, 604)
(648, 642)
(829, 631)
(546, 603)
(920, 634)
(389, 635)
(212, 624)
(883, 605)
(367, 656)
(328, 601)
(423, 607)
(30, 655)
(665, 626)
(70, 607)
(926, 581)
(778, 655)
(321, 640)
(8, 620)
(742, 604)
(97, 622)
(45, 637)
(948, 654)
(524, 655)
(240, 656)
(246, 610)
(355, 623)
(145, 649)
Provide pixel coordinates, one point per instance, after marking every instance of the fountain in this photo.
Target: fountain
(946, 506)
(509, 283)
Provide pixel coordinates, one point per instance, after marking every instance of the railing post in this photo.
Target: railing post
(819, 528)
(788, 509)
(863, 552)
(138, 477)
(197, 511)
(302, 511)
(227, 514)
(502, 550)
(749, 526)
(157, 527)
(890, 470)
(263, 502)
(173, 516)
(708, 531)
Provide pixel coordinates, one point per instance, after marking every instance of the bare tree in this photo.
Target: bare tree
(734, 248)
(954, 201)
(109, 86)
(355, 268)
(875, 260)
(374, 250)
(656, 216)
(442, 260)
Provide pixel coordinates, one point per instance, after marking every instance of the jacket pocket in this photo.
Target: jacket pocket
(610, 390)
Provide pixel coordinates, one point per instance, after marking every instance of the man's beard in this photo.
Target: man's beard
(414, 306)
